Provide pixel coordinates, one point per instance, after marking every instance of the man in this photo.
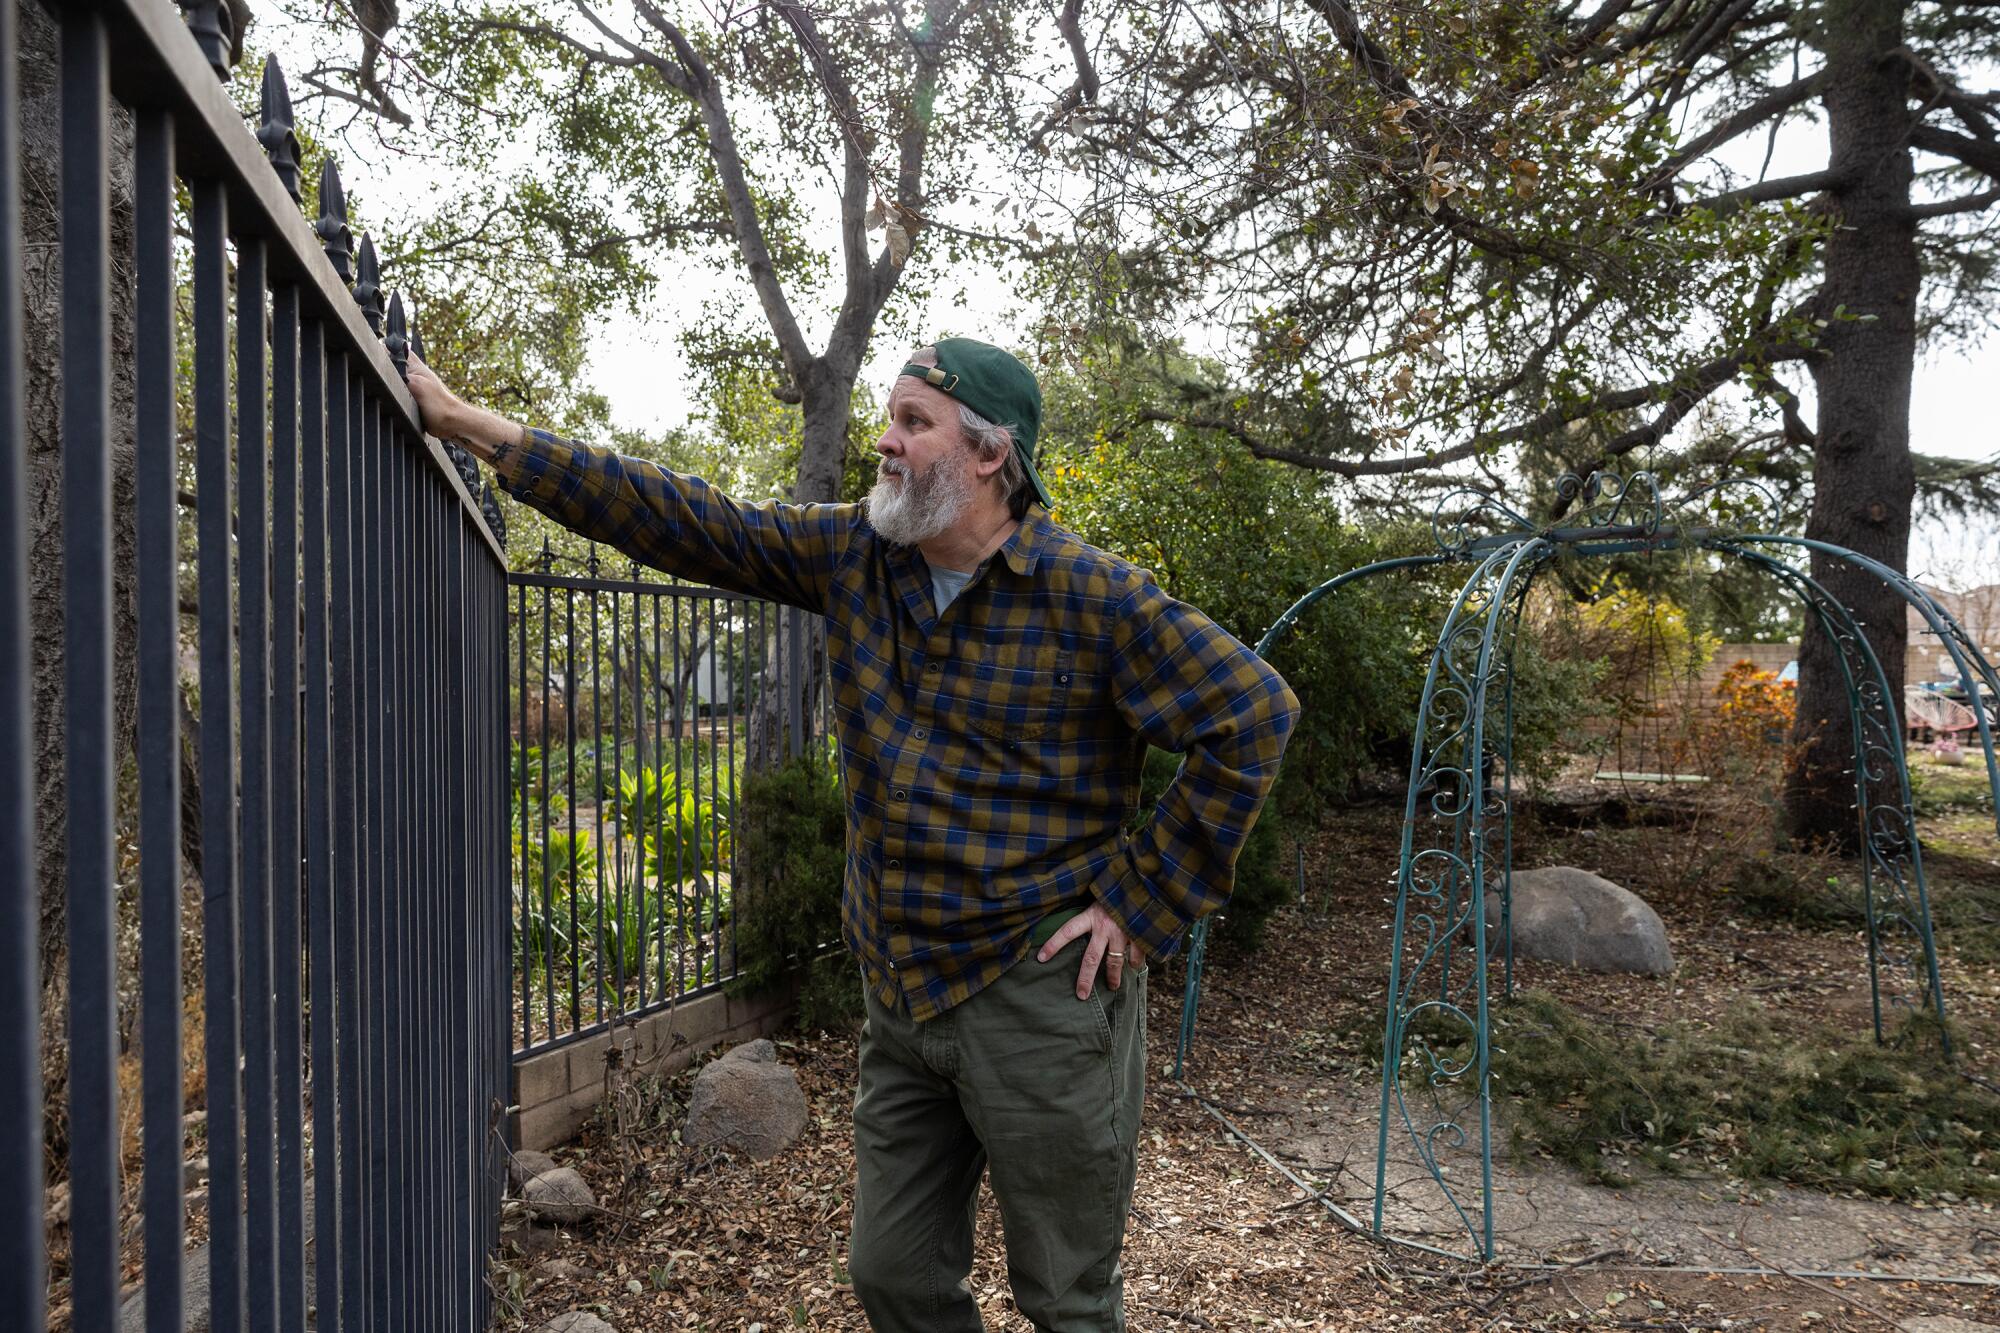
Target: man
(996, 682)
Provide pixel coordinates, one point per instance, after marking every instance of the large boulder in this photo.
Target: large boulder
(559, 1196)
(1565, 915)
(747, 1102)
(526, 1164)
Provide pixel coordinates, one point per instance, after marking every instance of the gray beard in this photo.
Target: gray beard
(923, 505)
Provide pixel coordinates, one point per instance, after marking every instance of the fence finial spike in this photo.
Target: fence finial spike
(331, 228)
(214, 29)
(368, 284)
(275, 127)
(489, 505)
(398, 336)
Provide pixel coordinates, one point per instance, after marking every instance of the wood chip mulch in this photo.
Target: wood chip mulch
(1218, 1240)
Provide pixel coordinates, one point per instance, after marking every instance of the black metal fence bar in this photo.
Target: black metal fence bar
(87, 648)
(347, 823)
(631, 711)
(22, 1280)
(156, 530)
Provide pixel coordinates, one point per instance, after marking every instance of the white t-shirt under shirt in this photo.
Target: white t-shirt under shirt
(947, 584)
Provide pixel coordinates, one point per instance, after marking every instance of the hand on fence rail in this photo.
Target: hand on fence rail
(449, 417)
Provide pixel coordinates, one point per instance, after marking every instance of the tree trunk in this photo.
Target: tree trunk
(827, 398)
(785, 714)
(41, 165)
(1863, 478)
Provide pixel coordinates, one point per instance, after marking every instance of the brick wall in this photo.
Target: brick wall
(556, 1092)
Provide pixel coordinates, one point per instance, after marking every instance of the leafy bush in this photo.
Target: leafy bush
(793, 828)
(683, 835)
(1243, 539)
(551, 873)
(1557, 700)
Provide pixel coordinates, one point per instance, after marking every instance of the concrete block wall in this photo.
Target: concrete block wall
(555, 1092)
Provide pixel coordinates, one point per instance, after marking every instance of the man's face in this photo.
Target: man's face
(925, 479)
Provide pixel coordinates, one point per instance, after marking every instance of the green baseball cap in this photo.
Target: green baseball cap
(996, 385)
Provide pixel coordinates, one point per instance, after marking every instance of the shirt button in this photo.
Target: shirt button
(1062, 680)
(894, 864)
(930, 666)
(901, 794)
(920, 733)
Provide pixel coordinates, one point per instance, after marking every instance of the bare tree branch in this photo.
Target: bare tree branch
(1750, 117)
(1971, 203)
(1979, 154)
(693, 78)
(1764, 192)
(1086, 85)
(1680, 394)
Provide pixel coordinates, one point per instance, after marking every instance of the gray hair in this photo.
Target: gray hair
(988, 439)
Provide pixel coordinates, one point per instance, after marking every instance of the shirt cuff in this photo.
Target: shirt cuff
(533, 467)
(1123, 892)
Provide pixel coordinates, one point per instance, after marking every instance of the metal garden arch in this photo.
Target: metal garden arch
(1436, 1084)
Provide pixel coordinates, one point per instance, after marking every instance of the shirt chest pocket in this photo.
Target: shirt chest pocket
(1018, 691)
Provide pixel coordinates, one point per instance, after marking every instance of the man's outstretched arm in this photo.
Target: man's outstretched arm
(669, 520)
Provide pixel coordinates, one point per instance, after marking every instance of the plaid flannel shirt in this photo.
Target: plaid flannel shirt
(992, 753)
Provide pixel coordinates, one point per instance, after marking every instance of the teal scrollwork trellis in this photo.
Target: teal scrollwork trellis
(1452, 928)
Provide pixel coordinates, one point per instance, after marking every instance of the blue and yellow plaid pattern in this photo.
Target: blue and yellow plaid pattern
(992, 753)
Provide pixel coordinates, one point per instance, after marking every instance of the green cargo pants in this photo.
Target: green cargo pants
(1032, 1084)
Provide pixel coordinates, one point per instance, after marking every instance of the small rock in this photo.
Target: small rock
(746, 1105)
(1564, 915)
(530, 1240)
(559, 1196)
(1944, 1323)
(760, 1051)
(548, 1270)
(526, 1164)
(576, 1321)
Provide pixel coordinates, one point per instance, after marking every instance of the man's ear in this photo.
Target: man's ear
(988, 468)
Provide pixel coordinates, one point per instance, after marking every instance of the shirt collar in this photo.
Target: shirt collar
(1024, 548)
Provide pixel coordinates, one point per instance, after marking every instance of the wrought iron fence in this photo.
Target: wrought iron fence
(633, 703)
(346, 598)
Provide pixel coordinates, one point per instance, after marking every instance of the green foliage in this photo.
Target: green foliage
(1242, 539)
(553, 870)
(694, 837)
(1747, 1098)
(1555, 700)
(793, 824)
(1938, 789)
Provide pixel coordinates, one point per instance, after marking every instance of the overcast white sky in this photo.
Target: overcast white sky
(637, 362)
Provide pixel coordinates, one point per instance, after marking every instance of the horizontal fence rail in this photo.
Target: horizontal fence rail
(632, 706)
(301, 846)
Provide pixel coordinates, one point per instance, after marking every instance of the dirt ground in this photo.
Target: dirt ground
(1220, 1240)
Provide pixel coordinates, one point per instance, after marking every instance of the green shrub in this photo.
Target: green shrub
(551, 874)
(1261, 885)
(1243, 539)
(792, 823)
(1747, 1096)
(1556, 702)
